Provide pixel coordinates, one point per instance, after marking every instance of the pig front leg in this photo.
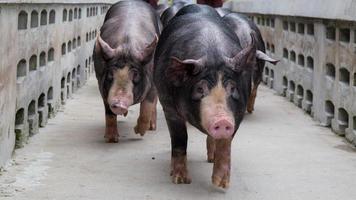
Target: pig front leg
(147, 119)
(222, 163)
(111, 132)
(210, 146)
(179, 138)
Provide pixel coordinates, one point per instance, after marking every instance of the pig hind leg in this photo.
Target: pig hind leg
(153, 121)
(179, 138)
(222, 163)
(257, 78)
(252, 99)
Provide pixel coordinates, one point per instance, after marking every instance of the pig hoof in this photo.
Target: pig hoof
(210, 159)
(113, 139)
(140, 130)
(152, 126)
(181, 178)
(250, 110)
(223, 182)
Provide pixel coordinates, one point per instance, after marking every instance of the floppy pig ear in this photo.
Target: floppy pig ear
(179, 71)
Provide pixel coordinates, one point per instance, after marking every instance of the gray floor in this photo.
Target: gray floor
(279, 153)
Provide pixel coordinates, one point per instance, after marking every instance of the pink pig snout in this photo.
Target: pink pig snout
(221, 128)
(119, 107)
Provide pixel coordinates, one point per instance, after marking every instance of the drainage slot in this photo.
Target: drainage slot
(52, 17)
(292, 26)
(301, 61)
(31, 117)
(330, 71)
(310, 63)
(344, 76)
(345, 35)
(22, 20)
(309, 96)
(343, 119)
(42, 59)
(43, 20)
(292, 56)
(70, 18)
(63, 48)
(19, 128)
(64, 15)
(33, 63)
(301, 28)
(69, 46)
(51, 55)
(331, 33)
(285, 25)
(291, 86)
(34, 19)
(21, 68)
(285, 53)
(310, 29)
(41, 107)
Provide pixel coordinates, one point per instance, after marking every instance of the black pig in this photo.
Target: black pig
(123, 59)
(203, 76)
(244, 28)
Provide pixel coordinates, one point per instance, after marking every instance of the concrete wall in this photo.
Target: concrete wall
(45, 56)
(317, 48)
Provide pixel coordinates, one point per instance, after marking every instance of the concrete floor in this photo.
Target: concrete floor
(279, 153)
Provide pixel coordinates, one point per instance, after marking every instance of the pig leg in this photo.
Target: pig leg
(252, 98)
(147, 107)
(111, 133)
(153, 121)
(222, 163)
(179, 138)
(210, 146)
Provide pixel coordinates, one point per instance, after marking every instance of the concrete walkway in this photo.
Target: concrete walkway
(279, 153)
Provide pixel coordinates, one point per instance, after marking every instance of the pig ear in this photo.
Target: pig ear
(180, 70)
(245, 59)
(147, 53)
(262, 56)
(107, 52)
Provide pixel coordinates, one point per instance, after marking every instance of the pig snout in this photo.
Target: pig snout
(221, 128)
(119, 107)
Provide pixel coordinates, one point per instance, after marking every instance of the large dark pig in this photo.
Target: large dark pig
(170, 12)
(123, 59)
(244, 28)
(203, 77)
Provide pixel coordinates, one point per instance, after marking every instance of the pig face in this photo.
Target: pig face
(125, 79)
(218, 93)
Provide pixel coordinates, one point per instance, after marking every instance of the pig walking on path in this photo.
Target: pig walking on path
(203, 76)
(244, 28)
(123, 59)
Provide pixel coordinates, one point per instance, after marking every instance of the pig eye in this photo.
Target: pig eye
(232, 91)
(200, 90)
(110, 76)
(135, 76)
